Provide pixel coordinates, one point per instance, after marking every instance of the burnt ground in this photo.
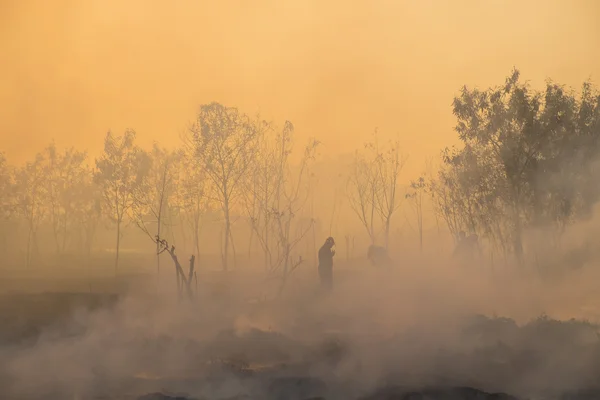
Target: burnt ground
(230, 345)
(51, 348)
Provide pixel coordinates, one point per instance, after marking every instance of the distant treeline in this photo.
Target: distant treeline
(529, 159)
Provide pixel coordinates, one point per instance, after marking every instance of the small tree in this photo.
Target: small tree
(260, 192)
(226, 143)
(87, 209)
(65, 173)
(122, 172)
(291, 196)
(278, 193)
(7, 200)
(418, 190)
(388, 165)
(362, 193)
(152, 198)
(30, 185)
(373, 187)
(192, 199)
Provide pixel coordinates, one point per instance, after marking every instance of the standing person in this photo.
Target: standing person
(326, 254)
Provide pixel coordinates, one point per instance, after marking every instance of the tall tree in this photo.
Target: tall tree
(260, 192)
(7, 200)
(87, 209)
(65, 172)
(122, 171)
(416, 195)
(226, 142)
(373, 187)
(527, 158)
(152, 198)
(192, 199)
(30, 185)
(277, 195)
(389, 163)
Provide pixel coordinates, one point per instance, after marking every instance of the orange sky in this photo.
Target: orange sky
(72, 69)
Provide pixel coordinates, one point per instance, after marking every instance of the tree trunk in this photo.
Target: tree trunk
(250, 246)
(197, 237)
(387, 231)
(158, 246)
(518, 234)
(118, 246)
(420, 216)
(64, 238)
(28, 255)
(226, 244)
(233, 248)
(56, 235)
(286, 263)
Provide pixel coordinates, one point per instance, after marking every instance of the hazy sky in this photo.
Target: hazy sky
(71, 70)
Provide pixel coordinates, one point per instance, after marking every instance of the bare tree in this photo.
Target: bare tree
(260, 194)
(389, 163)
(182, 279)
(121, 172)
(362, 193)
(373, 187)
(152, 198)
(418, 191)
(278, 193)
(192, 199)
(226, 143)
(291, 195)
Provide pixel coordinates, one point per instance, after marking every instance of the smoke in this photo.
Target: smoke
(415, 325)
(71, 70)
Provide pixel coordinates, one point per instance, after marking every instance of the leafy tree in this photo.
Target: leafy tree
(30, 185)
(527, 158)
(226, 143)
(388, 165)
(122, 172)
(291, 195)
(7, 200)
(87, 207)
(65, 173)
(362, 193)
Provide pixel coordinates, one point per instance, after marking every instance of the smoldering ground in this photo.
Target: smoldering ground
(418, 328)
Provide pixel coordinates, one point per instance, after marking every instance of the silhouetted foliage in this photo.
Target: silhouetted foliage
(122, 173)
(529, 159)
(373, 187)
(31, 192)
(226, 143)
(277, 193)
(65, 173)
(151, 201)
(7, 200)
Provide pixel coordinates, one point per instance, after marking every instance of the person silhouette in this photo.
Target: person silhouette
(326, 254)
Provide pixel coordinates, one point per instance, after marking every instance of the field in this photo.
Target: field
(412, 333)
